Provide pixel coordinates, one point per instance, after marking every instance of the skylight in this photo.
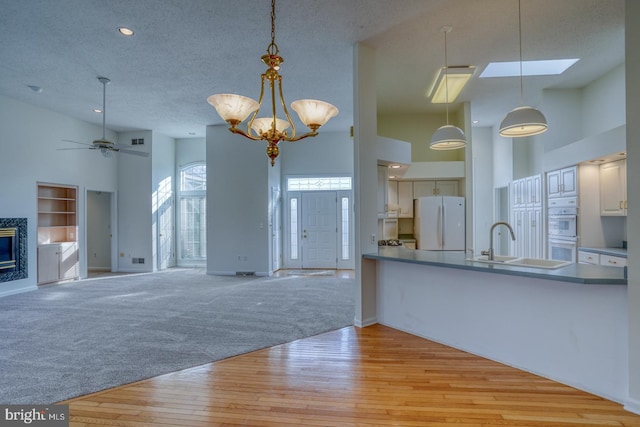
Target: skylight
(529, 68)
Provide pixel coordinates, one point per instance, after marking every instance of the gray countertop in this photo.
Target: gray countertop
(576, 273)
(621, 252)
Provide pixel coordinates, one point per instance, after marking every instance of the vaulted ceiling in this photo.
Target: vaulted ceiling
(185, 50)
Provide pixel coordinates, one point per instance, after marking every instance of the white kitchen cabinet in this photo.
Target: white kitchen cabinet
(526, 217)
(383, 191)
(562, 182)
(614, 261)
(405, 199)
(57, 261)
(588, 258)
(435, 188)
(392, 197)
(613, 188)
(536, 232)
(527, 192)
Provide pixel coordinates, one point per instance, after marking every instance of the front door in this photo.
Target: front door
(319, 229)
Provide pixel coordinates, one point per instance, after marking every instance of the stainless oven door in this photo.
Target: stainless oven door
(563, 249)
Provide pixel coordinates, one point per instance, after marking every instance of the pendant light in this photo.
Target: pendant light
(523, 120)
(447, 137)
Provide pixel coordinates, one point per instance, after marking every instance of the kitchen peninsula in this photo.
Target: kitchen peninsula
(568, 324)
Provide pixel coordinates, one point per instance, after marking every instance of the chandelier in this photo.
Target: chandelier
(234, 109)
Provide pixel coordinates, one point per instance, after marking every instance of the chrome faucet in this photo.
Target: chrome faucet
(506, 224)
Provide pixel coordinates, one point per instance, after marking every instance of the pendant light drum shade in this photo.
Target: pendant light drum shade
(523, 121)
(448, 137)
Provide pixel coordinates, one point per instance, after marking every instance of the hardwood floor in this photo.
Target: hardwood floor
(375, 376)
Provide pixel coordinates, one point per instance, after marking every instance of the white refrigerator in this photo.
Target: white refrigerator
(438, 223)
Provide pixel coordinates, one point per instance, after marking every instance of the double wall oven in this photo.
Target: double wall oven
(562, 226)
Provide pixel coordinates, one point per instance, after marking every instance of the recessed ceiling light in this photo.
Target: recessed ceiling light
(395, 166)
(125, 31)
(97, 110)
(529, 68)
(475, 122)
(36, 89)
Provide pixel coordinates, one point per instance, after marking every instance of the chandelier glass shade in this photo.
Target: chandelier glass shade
(447, 137)
(235, 109)
(523, 120)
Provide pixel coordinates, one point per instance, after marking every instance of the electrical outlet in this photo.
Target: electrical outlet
(373, 238)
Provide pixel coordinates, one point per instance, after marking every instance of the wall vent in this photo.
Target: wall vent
(137, 260)
(137, 141)
(245, 273)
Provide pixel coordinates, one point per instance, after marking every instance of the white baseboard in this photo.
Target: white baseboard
(221, 273)
(17, 291)
(366, 322)
(632, 405)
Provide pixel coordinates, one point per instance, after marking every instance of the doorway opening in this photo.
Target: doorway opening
(100, 229)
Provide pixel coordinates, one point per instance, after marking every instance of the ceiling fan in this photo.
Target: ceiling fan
(105, 146)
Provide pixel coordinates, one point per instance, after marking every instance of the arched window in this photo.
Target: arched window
(193, 212)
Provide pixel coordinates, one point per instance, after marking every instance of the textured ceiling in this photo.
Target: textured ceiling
(185, 50)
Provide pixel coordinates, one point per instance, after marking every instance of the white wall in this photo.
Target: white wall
(482, 175)
(366, 179)
(632, 30)
(564, 112)
(603, 103)
(163, 182)
(134, 205)
(29, 142)
(238, 181)
(189, 150)
(327, 153)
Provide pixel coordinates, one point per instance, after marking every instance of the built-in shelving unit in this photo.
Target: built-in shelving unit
(57, 233)
(57, 214)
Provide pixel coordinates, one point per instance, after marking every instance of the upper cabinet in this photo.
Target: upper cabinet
(435, 188)
(383, 191)
(613, 188)
(562, 182)
(527, 191)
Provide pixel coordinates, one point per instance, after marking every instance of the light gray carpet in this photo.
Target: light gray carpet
(68, 340)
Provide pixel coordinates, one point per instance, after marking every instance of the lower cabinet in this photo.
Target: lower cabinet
(614, 261)
(588, 258)
(57, 262)
(585, 257)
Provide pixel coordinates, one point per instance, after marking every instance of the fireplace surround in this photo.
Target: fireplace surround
(13, 249)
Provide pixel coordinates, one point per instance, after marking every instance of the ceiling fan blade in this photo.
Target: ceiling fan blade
(76, 142)
(63, 149)
(134, 152)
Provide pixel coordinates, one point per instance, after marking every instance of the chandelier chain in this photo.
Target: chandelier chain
(272, 49)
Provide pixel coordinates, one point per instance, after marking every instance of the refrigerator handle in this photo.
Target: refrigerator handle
(443, 228)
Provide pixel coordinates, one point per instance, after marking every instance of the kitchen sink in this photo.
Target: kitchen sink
(497, 259)
(521, 261)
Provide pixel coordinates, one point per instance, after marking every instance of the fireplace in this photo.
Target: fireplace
(13, 249)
